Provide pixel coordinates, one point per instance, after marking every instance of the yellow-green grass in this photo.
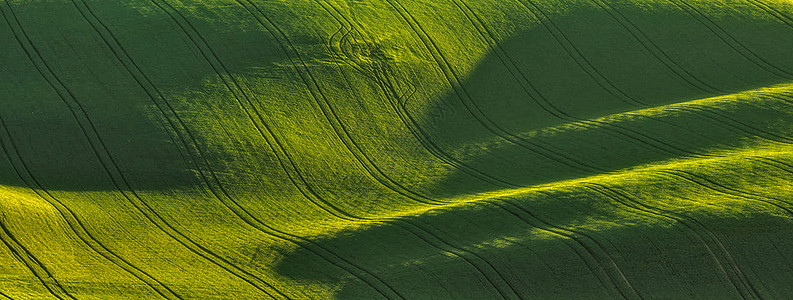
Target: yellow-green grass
(453, 149)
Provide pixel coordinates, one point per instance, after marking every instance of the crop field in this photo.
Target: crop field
(399, 149)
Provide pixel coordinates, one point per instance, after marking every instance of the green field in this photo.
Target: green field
(416, 149)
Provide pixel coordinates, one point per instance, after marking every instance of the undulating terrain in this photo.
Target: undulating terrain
(418, 149)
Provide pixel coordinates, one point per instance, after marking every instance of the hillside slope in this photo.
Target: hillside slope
(457, 149)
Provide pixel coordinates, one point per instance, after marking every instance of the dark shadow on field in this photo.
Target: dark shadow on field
(536, 87)
(536, 263)
(41, 111)
(134, 116)
(541, 265)
(399, 252)
(137, 136)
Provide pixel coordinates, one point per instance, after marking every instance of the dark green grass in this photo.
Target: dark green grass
(396, 149)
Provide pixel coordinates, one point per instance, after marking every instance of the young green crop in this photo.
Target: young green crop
(459, 149)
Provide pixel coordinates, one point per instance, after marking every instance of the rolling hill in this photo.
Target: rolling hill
(400, 149)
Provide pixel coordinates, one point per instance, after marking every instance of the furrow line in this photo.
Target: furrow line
(779, 164)
(720, 188)
(776, 164)
(485, 36)
(381, 76)
(733, 123)
(379, 73)
(597, 259)
(504, 288)
(674, 67)
(649, 45)
(548, 107)
(577, 55)
(445, 246)
(621, 132)
(660, 144)
(399, 105)
(75, 224)
(593, 123)
(27, 258)
(330, 43)
(566, 241)
(121, 183)
(730, 40)
(784, 18)
(508, 61)
(347, 216)
(330, 114)
(725, 262)
(149, 92)
(237, 209)
(665, 61)
(454, 81)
